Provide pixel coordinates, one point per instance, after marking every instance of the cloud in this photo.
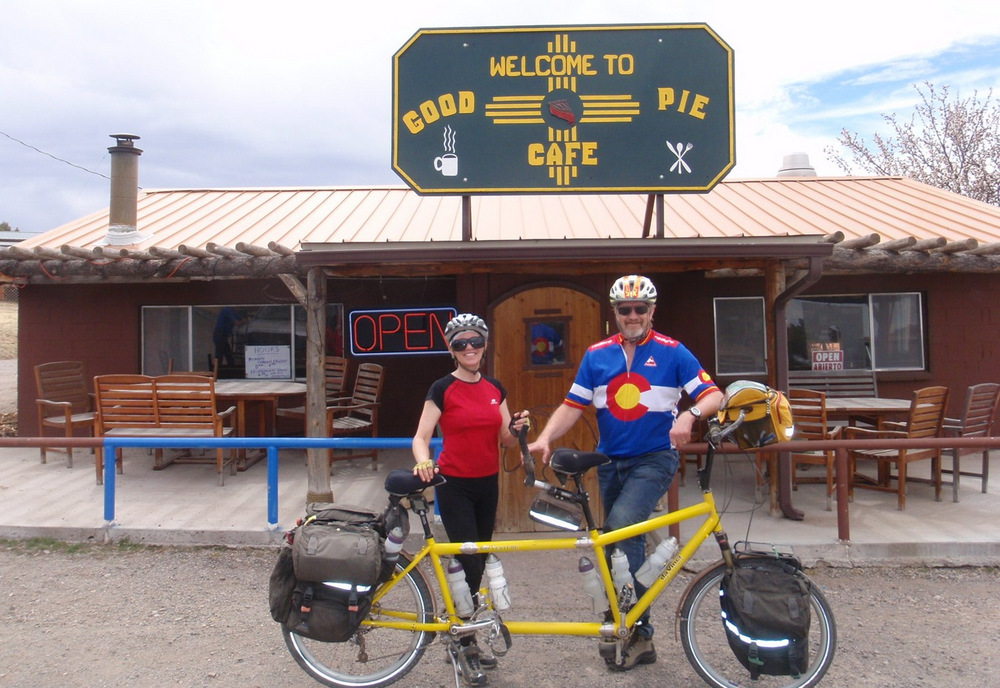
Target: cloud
(251, 93)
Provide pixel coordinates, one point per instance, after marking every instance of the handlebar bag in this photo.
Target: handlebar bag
(766, 611)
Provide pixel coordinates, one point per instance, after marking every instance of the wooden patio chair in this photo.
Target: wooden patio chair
(335, 372)
(977, 421)
(809, 413)
(926, 418)
(357, 415)
(63, 402)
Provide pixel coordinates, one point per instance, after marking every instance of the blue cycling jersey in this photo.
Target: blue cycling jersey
(636, 408)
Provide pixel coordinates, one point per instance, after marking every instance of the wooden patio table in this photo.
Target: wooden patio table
(264, 392)
(881, 408)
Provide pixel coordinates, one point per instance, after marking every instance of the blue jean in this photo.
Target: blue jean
(630, 489)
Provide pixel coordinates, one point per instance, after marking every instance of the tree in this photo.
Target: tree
(4, 226)
(952, 144)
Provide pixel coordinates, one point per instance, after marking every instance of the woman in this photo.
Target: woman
(473, 414)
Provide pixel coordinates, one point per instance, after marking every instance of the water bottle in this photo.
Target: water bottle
(460, 592)
(593, 586)
(620, 574)
(497, 584)
(657, 561)
(393, 543)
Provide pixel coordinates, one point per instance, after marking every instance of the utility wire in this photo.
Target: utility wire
(38, 150)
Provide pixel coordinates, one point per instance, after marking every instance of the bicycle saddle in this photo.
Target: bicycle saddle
(402, 483)
(572, 461)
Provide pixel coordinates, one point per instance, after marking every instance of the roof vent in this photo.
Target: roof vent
(122, 214)
(796, 165)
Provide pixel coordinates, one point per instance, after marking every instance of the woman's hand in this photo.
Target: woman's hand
(425, 470)
(519, 421)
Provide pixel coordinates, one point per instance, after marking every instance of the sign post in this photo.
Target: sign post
(644, 108)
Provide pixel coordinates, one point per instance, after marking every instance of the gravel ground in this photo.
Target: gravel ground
(92, 615)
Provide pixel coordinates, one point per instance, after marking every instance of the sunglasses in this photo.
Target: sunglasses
(463, 344)
(626, 311)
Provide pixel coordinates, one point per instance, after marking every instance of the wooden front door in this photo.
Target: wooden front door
(543, 334)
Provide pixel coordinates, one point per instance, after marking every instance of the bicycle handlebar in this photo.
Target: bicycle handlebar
(526, 457)
(717, 433)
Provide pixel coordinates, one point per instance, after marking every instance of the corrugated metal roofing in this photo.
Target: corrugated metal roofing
(891, 207)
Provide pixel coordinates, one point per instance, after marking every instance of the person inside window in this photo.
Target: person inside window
(222, 335)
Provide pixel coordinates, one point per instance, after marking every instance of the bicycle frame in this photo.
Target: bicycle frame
(593, 541)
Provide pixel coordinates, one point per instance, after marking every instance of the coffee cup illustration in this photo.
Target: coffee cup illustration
(447, 165)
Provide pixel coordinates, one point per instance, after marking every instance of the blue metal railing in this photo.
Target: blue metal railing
(271, 444)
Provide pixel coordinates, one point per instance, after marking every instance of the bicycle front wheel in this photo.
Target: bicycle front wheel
(707, 648)
(373, 656)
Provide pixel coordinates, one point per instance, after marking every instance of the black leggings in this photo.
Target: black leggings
(468, 508)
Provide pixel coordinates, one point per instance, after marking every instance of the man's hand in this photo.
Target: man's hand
(541, 446)
(680, 432)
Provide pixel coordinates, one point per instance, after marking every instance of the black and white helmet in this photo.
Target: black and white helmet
(633, 288)
(466, 322)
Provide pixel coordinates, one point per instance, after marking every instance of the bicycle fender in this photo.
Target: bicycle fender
(707, 571)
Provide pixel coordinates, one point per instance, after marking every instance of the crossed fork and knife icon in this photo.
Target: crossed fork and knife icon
(680, 151)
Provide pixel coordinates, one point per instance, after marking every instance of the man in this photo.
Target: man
(635, 380)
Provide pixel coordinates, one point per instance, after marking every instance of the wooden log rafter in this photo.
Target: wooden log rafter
(246, 260)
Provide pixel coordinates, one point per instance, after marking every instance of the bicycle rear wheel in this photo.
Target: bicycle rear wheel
(373, 656)
(706, 647)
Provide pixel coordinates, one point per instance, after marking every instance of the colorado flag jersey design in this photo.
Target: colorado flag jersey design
(636, 408)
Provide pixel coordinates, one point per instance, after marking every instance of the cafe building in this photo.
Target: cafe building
(757, 277)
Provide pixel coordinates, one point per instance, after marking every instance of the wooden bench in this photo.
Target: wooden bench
(163, 406)
(858, 382)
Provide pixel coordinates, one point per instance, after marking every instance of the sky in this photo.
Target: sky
(244, 93)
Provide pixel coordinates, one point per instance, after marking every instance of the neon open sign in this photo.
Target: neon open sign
(397, 332)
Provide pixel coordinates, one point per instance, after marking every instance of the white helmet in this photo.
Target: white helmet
(465, 322)
(633, 288)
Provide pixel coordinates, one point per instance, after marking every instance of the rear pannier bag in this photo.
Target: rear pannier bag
(326, 574)
(337, 552)
(328, 612)
(765, 608)
(282, 585)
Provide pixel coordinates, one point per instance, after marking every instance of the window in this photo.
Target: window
(740, 342)
(249, 341)
(877, 331)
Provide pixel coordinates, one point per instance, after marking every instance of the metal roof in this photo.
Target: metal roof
(859, 214)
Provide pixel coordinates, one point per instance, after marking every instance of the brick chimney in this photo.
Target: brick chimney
(122, 228)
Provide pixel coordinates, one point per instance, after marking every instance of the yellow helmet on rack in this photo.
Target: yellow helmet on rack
(767, 414)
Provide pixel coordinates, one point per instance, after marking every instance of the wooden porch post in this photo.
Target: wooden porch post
(319, 487)
(774, 285)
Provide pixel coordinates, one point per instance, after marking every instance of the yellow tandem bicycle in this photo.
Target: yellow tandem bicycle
(404, 620)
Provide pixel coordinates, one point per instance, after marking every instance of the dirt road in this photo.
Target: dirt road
(137, 617)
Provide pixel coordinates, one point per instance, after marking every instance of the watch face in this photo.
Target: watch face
(695, 411)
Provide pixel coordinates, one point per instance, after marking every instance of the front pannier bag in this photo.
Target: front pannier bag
(765, 608)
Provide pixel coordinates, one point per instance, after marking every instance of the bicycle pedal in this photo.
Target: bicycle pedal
(608, 649)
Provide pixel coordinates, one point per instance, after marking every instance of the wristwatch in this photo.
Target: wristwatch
(696, 412)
